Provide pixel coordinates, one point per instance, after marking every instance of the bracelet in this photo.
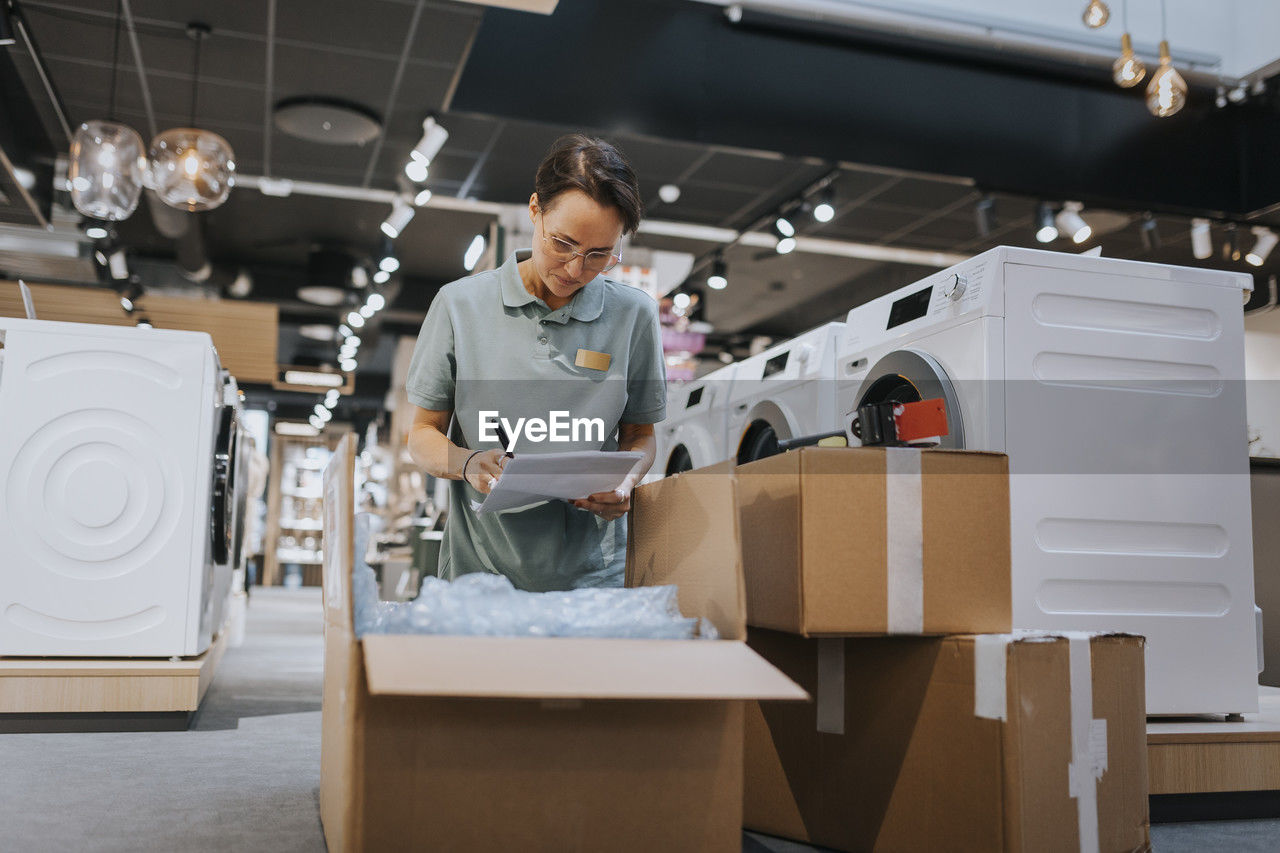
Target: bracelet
(464, 464)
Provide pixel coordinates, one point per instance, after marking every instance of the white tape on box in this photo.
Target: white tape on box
(1082, 779)
(989, 691)
(904, 522)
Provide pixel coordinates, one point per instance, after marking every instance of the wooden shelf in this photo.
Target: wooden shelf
(1214, 756)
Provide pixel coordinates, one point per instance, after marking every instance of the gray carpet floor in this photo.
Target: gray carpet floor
(246, 775)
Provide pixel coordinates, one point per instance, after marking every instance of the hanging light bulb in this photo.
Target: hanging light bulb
(1167, 91)
(1096, 14)
(108, 161)
(192, 169)
(1128, 69)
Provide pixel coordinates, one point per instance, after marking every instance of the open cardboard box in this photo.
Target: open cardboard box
(994, 743)
(556, 744)
(841, 541)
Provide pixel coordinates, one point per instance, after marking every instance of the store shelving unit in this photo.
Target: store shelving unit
(295, 506)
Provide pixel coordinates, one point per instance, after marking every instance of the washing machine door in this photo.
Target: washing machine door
(909, 376)
(224, 485)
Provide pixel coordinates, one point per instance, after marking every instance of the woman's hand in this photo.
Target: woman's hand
(608, 505)
(484, 469)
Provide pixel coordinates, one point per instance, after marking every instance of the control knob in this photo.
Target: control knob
(954, 287)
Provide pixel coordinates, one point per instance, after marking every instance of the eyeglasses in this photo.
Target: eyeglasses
(563, 251)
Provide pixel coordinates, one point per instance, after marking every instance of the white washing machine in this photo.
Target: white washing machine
(693, 433)
(113, 513)
(784, 392)
(1116, 388)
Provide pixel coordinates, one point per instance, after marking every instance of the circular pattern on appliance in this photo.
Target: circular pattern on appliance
(907, 376)
(94, 494)
(760, 441)
(680, 461)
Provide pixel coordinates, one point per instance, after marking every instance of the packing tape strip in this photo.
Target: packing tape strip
(830, 701)
(989, 690)
(904, 520)
(1082, 778)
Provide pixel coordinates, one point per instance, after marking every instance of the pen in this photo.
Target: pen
(504, 440)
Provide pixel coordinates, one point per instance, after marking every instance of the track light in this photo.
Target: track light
(825, 210)
(355, 321)
(1149, 233)
(1096, 14)
(130, 293)
(681, 301)
(1071, 223)
(433, 139)
(718, 280)
(144, 322)
(314, 420)
(381, 277)
(1046, 230)
(984, 215)
(400, 216)
(416, 171)
(97, 232)
(784, 227)
(1201, 239)
(347, 364)
(1261, 249)
(472, 256)
(118, 265)
(786, 245)
(389, 263)
(377, 302)
(423, 196)
(1230, 247)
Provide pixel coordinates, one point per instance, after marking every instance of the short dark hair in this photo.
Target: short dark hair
(580, 162)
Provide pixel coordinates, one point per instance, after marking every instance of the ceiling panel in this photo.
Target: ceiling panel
(246, 18)
(372, 25)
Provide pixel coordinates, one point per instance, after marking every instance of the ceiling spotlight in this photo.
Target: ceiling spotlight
(783, 226)
(388, 262)
(433, 139)
(1149, 233)
(355, 321)
(352, 341)
(1261, 249)
(345, 351)
(344, 332)
(1071, 223)
(319, 409)
(332, 394)
(416, 171)
(316, 331)
(825, 209)
(423, 196)
(381, 277)
(322, 294)
(118, 265)
(472, 256)
(347, 364)
(377, 302)
(985, 215)
(97, 232)
(718, 280)
(366, 311)
(786, 245)
(359, 277)
(681, 301)
(1201, 239)
(314, 420)
(1046, 230)
(130, 293)
(400, 216)
(330, 402)
(1096, 14)
(669, 193)
(100, 257)
(242, 285)
(144, 322)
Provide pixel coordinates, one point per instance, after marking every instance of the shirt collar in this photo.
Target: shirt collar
(587, 304)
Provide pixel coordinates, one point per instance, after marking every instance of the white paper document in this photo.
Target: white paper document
(535, 477)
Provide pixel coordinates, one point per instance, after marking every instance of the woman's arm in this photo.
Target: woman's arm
(431, 448)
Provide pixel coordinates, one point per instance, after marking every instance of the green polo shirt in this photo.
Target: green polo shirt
(488, 345)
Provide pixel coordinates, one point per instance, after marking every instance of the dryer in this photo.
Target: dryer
(1116, 389)
(693, 434)
(787, 391)
(114, 456)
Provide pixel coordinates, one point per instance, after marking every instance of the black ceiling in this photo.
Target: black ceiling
(741, 118)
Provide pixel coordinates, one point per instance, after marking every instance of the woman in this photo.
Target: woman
(545, 333)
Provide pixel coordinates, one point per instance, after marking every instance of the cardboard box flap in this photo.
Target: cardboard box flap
(569, 668)
(339, 534)
(684, 531)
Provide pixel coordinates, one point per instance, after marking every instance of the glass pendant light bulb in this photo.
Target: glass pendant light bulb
(1096, 14)
(106, 170)
(1167, 91)
(192, 169)
(1128, 69)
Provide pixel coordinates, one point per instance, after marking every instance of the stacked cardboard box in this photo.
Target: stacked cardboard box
(883, 579)
(556, 744)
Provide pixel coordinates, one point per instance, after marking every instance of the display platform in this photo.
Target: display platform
(1209, 755)
(105, 694)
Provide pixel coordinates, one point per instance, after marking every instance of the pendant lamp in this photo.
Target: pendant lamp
(108, 161)
(1128, 69)
(192, 169)
(1167, 91)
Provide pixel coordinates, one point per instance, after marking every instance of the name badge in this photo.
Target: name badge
(592, 360)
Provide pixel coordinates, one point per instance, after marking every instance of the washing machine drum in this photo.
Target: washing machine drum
(907, 376)
(760, 441)
(679, 461)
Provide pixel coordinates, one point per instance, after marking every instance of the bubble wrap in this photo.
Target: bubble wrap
(485, 604)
